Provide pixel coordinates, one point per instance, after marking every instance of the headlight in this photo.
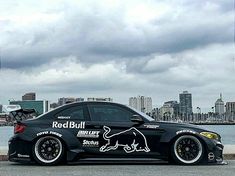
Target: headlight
(210, 135)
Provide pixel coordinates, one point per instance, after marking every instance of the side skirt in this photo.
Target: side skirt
(119, 161)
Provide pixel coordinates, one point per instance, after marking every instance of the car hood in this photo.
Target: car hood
(180, 126)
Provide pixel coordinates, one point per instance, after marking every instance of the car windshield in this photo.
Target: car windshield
(142, 114)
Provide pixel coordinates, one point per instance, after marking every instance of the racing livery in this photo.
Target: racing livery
(136, 141)
(100, 130)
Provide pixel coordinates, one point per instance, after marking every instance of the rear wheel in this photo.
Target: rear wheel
(187, 149)
(48, 150)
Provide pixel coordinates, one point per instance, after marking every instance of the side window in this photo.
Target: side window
(109, 113)
(74, 113)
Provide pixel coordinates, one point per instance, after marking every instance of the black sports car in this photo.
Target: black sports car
(78, 131)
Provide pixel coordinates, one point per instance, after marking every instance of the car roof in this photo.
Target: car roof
(93, 102)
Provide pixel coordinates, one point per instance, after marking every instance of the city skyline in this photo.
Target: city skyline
(170, 111)
(118, 49)
(62, 100)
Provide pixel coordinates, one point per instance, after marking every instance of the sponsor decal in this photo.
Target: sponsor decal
(135, 142)
(22, 156)
(49, 132)
(68, 124)
(55, 133)
(185, 131)
(151, 126)
(63, 117)
(42, 133)
(88, 134)
(90, 143)
(211, 156)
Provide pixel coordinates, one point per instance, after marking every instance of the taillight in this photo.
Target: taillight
(19, 128)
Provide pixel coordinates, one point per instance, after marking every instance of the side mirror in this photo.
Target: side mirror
(137, 118)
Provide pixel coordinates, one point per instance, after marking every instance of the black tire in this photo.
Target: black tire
(48, 150)
(187, 150)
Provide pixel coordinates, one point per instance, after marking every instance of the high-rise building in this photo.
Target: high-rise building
(185, 105)
(230, 111)
(141, 103)
(29, 96)
(155, 114)
(66, 100)
(166, 112)
(0, 108)
(169, 109)
(100, 99)
(219, 106)
(133, 103)
(230, 107)
(175, 105)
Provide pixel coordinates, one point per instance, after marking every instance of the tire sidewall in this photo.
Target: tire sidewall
(175, 157)
(57, 161)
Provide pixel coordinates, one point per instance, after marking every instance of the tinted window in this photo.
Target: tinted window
(75, 112)
(109, 113)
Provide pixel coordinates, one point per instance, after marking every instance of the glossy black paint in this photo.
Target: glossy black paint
(150, 139)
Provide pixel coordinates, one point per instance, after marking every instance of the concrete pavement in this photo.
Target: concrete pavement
(157, 169)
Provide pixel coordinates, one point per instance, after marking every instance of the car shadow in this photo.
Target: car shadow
(97, 163)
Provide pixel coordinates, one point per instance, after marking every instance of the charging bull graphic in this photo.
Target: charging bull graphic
(131, 140)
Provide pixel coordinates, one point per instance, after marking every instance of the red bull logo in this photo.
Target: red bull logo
(132, 140)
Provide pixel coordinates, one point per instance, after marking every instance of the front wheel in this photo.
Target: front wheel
(48, 150)
(187, 149)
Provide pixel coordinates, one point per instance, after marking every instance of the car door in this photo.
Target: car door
(118, 135)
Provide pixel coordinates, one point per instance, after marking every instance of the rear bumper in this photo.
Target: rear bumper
(19, 150)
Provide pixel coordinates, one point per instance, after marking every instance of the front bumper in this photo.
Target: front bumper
(19, 150)
(215, 153)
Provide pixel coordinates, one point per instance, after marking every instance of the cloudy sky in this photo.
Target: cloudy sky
(118, 49)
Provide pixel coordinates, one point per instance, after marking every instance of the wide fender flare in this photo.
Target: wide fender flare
(67, 137)
(72, 144)
(170, 138)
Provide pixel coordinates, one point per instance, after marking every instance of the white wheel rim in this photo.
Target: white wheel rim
(38, 151)
(199, 146)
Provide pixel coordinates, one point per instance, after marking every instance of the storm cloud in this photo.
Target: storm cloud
(118, 49)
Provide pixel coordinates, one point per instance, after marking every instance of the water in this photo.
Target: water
(5, 133)
(227, 133)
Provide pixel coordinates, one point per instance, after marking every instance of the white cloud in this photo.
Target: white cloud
(160, 63)
(189, 70)
(117, 48)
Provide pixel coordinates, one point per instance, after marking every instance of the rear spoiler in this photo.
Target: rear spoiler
(22, 114)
